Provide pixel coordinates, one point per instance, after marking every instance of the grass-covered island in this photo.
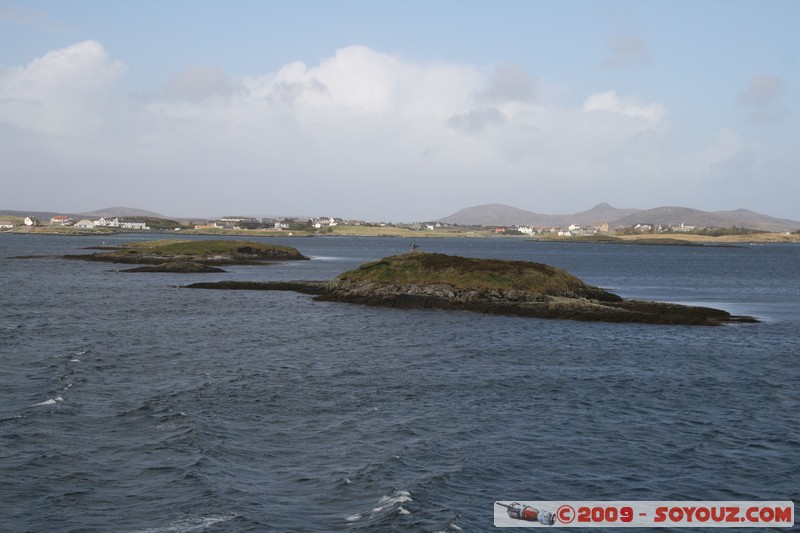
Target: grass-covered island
(190, 256)
(438, 281)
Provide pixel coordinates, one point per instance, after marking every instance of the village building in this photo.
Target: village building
(103, 222)
(133, 225)
(61, 220)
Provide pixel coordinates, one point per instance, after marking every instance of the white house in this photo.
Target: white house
(31, 221)
(133, 225)
(107, 222)
(61, 220)
(85, 224)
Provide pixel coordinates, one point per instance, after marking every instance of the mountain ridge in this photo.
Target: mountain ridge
(505, 215)
(501, 215)
(119, 212)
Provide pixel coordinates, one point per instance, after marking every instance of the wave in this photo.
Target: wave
(187, 525)
(51, 401)
(387, 503)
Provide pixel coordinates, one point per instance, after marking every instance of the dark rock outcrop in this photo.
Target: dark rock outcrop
(606, 307)
(494, 287)
(304, 287)
(181, 267)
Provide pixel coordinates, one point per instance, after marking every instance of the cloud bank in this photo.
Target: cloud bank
(361, 134)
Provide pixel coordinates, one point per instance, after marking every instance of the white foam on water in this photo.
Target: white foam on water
(387, 502)
(188, 525)
(75, 360)
(401, 510)
(51, 401)
(347, 480)
(352, 518)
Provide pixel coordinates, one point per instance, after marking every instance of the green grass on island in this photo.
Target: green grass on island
(170, 247)
(466, 273)
(208, 252)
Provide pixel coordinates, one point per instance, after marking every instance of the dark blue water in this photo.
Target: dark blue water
(130, 405)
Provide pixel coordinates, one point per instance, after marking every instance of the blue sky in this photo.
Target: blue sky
(399, 110)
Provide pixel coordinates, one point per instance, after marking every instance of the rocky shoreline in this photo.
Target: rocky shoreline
(572, 300)
(181, 267)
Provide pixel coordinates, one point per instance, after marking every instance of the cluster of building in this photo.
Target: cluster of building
(291, 223)
(576, 230)
(102, 222)
(571, 230)
(270, 223)
(662, 228)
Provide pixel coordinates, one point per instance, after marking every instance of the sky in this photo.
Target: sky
(399, 110)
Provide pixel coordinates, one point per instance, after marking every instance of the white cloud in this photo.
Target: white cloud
(199, 83)
(61, 91)
(509, 84)
(477, 120)
(359, 81)
(611, 102)
(361, 133)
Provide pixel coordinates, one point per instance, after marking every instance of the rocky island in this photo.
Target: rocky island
(520, 288)
(191, 256)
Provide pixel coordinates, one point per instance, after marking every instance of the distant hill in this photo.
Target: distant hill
(41, 215)
(741, 218)
(121, 212)
(504, 215)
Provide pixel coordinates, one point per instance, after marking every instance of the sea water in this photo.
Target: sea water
(129, 404)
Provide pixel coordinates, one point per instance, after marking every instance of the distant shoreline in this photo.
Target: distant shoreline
(375, 231)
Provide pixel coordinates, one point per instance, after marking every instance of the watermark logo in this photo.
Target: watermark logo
(517, 511)
(556, 513)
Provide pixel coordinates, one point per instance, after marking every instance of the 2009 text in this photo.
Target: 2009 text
(645, 513)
